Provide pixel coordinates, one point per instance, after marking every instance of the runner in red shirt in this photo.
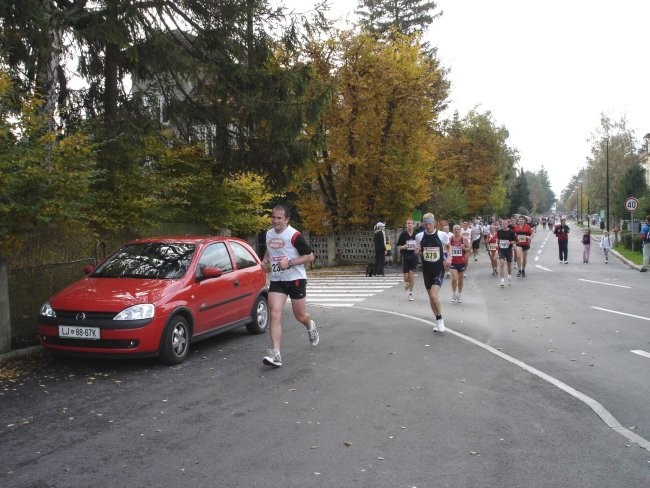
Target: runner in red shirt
(460, 248)
(492, 243)
(524, 233)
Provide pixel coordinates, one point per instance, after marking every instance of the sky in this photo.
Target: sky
(546, 71)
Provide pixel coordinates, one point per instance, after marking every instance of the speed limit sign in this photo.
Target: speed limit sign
(631, 204)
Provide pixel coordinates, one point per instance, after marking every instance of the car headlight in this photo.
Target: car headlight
(136, 312)
(47, 310)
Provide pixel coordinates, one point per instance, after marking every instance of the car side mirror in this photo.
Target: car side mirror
(88, 269)
(211, 272)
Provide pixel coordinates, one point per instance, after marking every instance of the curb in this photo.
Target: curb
(20, 352)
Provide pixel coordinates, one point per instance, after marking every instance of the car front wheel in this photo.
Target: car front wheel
(259, 317)
(175, 344)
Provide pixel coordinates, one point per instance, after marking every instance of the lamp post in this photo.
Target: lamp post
(588, 214)
(607, 179)
(580, 202)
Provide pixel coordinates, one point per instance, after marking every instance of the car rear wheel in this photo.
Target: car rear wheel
(259, 317)
(175, 344)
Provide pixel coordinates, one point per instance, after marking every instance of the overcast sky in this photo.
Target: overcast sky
(545, 70)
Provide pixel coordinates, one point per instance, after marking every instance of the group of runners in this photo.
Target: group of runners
(436, 248)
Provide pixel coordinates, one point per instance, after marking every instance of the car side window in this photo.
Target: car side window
(243, 256)
(216, 256)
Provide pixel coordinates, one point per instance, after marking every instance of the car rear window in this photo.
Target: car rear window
(155, 260)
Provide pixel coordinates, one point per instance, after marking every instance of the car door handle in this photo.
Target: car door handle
(236, 283)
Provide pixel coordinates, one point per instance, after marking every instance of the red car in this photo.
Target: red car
(154, 297)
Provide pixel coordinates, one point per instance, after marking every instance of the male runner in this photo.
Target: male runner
(524, 234)
(406, 247)
(288, 252)
(431, 244)
(507, 240)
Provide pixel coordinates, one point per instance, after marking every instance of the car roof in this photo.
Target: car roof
(185, 239)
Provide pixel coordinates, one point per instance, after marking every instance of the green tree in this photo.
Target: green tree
(474, 152)
(541, 195)
(405, 16)
(520, 197)
(45, 178)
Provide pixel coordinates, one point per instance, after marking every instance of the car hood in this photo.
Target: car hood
(112, 294)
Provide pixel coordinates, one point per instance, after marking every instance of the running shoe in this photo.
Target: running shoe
(453, 298)
(273, 358)
(439, 328)
(509, 280)
(503, 283)
(458, 298)
(411, 298)
(313, 334)
(523, 273)
(447, 274)
(566, 262)
(519, 274)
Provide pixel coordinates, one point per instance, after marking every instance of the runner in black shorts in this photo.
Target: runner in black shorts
(295, 289)
(406, 247)
(432, 244)
(506, 239)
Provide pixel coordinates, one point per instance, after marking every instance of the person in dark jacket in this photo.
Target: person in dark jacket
(379, 240)
(561, 231)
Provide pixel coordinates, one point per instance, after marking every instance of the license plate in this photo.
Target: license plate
(68, 332)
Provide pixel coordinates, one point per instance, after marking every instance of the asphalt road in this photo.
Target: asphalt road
(531, 387)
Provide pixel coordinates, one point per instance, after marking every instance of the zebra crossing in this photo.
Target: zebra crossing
(347, 290)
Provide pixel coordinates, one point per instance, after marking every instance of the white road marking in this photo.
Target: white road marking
(542, 267)
(622, 313)
(601, 411)
(603, 283)
(641, 353)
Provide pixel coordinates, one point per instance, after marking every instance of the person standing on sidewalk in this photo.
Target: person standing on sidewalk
(287, 251)
(406, 248)
(645, 238)
(606, 244)
(431, 244)
(379, 239)
(561, 231)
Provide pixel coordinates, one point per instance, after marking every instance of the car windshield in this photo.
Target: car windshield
(155, 260)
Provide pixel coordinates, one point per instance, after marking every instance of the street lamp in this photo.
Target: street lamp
(607, 178)
(581, 202)
(588, 214)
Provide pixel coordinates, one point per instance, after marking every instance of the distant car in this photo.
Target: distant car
(156, 296)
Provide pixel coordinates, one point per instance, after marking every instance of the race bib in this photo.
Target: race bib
(456, 251)
(504, 243)
(276, 270)
(492, 246)
(522, 238)
(410, 245)
(431, 254)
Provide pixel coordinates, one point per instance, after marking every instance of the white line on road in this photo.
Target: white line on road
(641, 353)
(621, 313)
(601, 411)
(542, 267)
(603, 283)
